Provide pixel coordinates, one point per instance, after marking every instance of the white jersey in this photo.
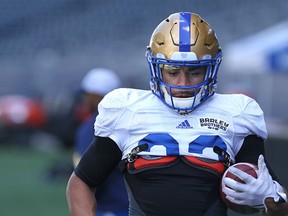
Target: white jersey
(133, 117)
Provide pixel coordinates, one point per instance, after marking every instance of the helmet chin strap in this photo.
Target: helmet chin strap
(181, 105)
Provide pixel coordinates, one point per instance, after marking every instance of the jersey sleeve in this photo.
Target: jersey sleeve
(249, 122)
(113, 118)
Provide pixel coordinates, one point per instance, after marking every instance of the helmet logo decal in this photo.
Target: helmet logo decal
(184, 32)
(183, 55)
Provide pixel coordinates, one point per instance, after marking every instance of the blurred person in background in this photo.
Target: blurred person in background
(111, 196)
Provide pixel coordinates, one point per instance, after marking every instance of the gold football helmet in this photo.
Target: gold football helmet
(184, 39)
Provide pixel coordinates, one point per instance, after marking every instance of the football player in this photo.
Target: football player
(175, 141)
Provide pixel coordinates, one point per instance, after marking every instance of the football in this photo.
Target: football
(249, 168)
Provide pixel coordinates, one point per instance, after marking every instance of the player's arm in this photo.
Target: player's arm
(97, 163)
(80, 197)
(275, 208)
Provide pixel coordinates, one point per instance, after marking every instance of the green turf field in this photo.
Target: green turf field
(28, 186)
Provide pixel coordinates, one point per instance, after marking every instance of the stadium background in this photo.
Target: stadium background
(47, 46)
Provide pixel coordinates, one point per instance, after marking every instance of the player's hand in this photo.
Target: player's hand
(275, 208)
(254, 190)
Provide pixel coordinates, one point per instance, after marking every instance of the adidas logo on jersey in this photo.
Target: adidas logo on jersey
(184, 125)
